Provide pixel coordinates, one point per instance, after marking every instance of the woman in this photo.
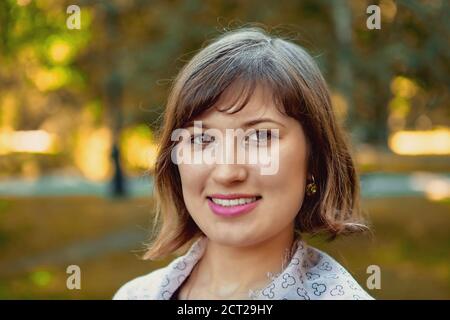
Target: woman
(243, 219)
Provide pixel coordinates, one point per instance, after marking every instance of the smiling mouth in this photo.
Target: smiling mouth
(234, 202)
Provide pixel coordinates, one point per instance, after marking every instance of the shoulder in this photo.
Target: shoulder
(141, 288)
(328, 279)
(162, 283)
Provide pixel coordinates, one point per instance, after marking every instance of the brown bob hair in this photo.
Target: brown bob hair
(251, 57)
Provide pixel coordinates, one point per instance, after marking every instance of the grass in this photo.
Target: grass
(410, 243)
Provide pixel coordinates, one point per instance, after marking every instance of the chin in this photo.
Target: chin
(233, 239)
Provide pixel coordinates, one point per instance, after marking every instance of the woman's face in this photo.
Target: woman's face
(240, 220)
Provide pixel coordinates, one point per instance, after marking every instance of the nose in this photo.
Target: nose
(229, 170)
(228, 174)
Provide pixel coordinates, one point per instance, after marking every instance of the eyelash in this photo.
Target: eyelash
(269, 136)
(193, 137)
(268, 133)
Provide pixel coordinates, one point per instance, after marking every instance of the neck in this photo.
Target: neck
(228, 272)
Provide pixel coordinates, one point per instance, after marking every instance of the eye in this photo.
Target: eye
(262, 136)
(202, 139)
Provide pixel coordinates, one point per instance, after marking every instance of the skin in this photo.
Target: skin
(254, 243)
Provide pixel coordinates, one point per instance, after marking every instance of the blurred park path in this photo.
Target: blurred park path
(54, 185)
(373, 184)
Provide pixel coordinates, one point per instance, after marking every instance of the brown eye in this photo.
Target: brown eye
(201, 139)
(259, 137)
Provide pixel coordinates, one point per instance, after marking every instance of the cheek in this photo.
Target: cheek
(193, 179)
(288, 184)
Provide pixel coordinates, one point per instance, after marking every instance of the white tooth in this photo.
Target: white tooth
(233, 202)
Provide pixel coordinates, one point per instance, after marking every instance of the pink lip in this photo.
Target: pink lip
(233, 210)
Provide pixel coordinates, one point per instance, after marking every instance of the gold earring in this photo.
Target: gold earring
(311, 188)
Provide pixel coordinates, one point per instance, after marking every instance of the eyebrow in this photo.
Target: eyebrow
(245, 125)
